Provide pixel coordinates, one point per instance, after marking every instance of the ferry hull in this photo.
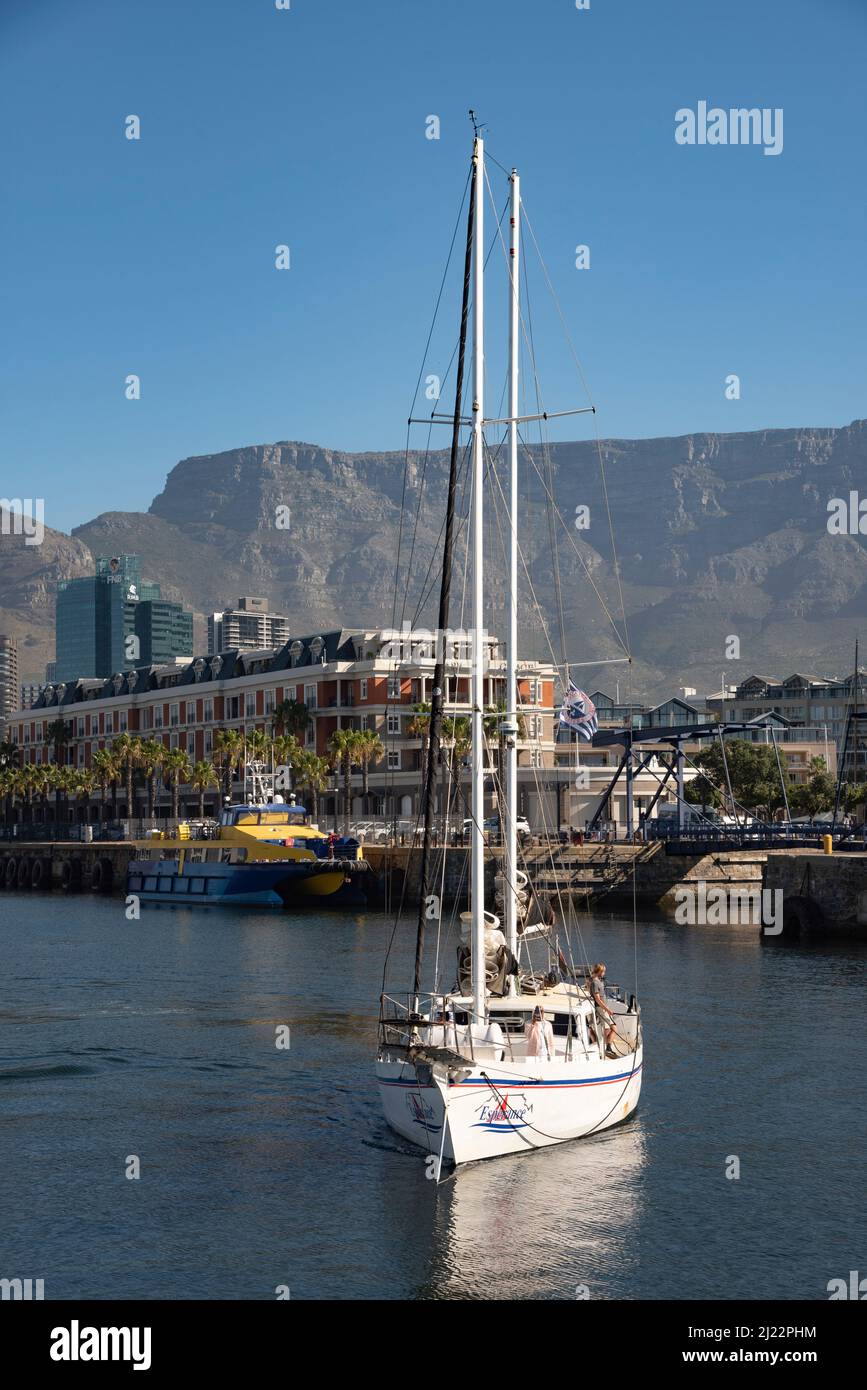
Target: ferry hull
(278, 884)
(503, 1108)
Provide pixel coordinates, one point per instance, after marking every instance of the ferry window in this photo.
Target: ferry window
(150, 883)
(247, 818)
(165, 884)
(274, 818)
(215, 885)
(197, 885)
(182, 885)
(135, 883)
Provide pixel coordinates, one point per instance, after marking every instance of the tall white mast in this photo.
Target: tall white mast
(477, 875)
(510, 723)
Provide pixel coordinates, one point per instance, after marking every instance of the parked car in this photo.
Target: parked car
(491, 827)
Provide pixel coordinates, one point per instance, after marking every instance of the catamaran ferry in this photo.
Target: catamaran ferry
(259, 855)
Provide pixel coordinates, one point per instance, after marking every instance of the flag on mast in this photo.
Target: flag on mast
(579, 712)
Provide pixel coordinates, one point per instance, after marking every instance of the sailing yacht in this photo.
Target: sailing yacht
(474, 1072)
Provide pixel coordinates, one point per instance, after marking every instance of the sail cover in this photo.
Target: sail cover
(579, 712)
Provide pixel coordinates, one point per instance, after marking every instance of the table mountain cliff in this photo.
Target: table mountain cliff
(716, 535)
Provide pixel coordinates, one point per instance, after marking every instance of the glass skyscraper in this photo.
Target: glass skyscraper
(98, 615)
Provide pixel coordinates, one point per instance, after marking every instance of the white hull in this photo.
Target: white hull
(508, 1107)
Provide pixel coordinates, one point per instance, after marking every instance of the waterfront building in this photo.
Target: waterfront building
(249, 626)
(8, 676)
(30, 693)
(107, 621)
(820, 704)
(347, 679)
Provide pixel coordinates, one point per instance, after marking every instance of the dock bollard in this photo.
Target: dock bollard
(828, 844)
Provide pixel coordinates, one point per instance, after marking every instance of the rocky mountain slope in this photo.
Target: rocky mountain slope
(716, 536)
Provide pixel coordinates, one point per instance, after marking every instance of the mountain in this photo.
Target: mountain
(716, 535)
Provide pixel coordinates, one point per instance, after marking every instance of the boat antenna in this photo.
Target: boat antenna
(478, 127)
(436, 706)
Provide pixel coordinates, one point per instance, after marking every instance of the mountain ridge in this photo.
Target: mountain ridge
(716, 535)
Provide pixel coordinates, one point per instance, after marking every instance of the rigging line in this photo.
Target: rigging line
(442, 287)
(558, 590)
(418, 380)
(581, 560)
(585, 384)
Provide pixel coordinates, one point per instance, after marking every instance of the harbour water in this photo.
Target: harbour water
(263, 1167)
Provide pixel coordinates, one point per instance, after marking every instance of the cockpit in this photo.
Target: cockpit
(273, 815)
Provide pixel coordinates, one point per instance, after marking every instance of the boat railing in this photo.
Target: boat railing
(403, 1017)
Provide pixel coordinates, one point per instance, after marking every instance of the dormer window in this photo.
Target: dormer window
(295, 652)
(198, 668)
(216, 666)
(316, 648)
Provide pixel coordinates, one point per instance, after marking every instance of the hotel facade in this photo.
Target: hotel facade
(347, 679)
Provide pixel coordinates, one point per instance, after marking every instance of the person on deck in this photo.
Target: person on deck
(596, 989)
(540, 1036)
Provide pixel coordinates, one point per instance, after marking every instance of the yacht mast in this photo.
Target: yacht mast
(509, 724)
(477, 873)
(439, 677)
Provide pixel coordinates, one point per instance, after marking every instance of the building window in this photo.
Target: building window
(109, 723)
(209, 711)
(173, 741)
(310, 696)
(250, 704)
(147, 716)
(209, 741)
(158, 716)
(191, 745)
(121, 720)
(173, 716)
(269, 701)
(363, 695)
(310, 735)
(394, 760)
(535, 757)
(191, 711)
(81, 755)
(94, 749)
(393, 724)
(394, 687)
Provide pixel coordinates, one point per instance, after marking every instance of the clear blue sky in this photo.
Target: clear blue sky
(308, 127)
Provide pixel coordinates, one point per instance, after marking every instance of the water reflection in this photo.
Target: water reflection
(536, 1226)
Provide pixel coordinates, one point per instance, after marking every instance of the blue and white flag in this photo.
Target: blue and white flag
(579, 713)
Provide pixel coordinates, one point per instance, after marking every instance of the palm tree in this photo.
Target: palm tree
(229, 746)
(458, 732)
(43, 778)
(126, 752)
(7, 792)
(8, 754)
(287, 751)
(257, 747)
(81, 785)
(290, 717)
(57, 734)
(418, 726)
(371, 749)
(345, 754)
(64, 783)
(202, 776)
(177, 764)
(314, 775)
(105, 772)
(152, 755)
